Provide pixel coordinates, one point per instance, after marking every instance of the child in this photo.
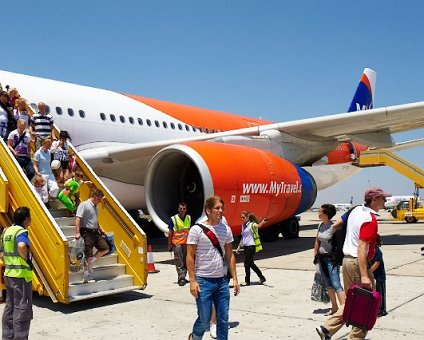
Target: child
(41, 188)
(379, 275)
(61, 154)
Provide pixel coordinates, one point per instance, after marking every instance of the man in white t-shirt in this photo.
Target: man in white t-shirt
(206, 270)
(358, 250)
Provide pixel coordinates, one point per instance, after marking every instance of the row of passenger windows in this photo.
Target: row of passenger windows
(131, 120)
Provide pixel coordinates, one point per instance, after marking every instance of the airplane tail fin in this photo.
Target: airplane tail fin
(364, 95)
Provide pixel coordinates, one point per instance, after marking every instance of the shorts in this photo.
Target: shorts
(64, 165)
(93, 238)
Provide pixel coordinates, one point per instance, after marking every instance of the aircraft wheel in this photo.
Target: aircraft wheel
(410, 219)
(270, 234)
(290, 228)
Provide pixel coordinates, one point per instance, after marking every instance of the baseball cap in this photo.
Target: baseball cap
(375, 192)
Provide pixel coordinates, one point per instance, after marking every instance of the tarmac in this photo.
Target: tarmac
(279, 309)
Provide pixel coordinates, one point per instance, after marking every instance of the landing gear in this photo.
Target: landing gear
(290, 228)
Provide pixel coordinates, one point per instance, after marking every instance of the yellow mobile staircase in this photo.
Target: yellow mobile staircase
(51, 231)
(385, 157)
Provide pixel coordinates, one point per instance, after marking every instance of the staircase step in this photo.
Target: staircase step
(99, 273)
(103, 293)
(59, 212)
(68, 231)
(65, 221)
(82, 290)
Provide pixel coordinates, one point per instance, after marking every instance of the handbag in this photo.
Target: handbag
(318, 291)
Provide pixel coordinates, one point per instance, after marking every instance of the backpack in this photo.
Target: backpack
(337, 242)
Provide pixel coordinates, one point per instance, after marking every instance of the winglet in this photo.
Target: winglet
(364, 95)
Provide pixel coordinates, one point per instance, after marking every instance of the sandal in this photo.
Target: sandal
(331, 312)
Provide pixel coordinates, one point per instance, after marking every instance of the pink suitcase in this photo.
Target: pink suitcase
(361, 307)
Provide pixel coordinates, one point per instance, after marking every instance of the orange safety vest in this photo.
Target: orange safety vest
(181, 229)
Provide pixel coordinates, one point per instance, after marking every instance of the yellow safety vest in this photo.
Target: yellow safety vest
(255, 234)
(181, 229)
(15, 265)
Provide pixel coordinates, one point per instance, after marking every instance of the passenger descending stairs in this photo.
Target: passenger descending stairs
(52, 230)
(379, 157)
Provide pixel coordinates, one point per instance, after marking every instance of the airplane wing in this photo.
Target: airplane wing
(407, 144)
(364, 126)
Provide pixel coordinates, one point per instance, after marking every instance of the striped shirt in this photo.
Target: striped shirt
(42, 123)
(209, 263)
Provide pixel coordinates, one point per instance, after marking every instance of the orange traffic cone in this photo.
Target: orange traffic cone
(150, 262)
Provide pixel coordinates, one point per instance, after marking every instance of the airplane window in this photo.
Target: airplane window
(122, 119)
(187, 127)
(213, 130)
(172, 126)
(102, 116)
(59, 110)
(131, 119)
(140, 121)
(47, 109)
(207, 130)
(157, 123)
(200, 129)
(34, 106)
(148, 122)
(194, 128)
(71, 112)
(164, 125)
(112, 118)
(180, 126)
(81, 113)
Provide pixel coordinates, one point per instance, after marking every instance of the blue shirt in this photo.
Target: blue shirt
(379, 273)
(44, 159)
(25, 239)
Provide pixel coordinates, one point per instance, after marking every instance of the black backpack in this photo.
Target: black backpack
(337, 242)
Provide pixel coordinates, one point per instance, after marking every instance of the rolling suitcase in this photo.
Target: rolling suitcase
(361, 307)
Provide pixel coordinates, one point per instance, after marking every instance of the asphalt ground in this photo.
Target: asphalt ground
(279, 309)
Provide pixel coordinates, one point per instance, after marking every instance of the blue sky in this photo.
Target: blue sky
(272, 59)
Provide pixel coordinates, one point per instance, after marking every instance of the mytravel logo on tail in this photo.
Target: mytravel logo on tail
(275, 188)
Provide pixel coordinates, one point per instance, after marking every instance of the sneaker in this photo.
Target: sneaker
(245, 284)
(212, 331)
(323, 333)
(85, 276)
(262, 280)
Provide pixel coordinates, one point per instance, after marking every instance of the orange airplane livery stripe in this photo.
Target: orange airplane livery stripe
(199, 117)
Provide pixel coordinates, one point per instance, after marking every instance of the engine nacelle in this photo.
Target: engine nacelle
(345, 152)
(246, 178)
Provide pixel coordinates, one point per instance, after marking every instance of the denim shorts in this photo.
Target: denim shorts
(331, 274)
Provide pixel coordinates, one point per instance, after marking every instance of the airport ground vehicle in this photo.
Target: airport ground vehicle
(410, 210)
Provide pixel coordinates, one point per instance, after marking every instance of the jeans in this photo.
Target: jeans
(216, 291)
(331, 274)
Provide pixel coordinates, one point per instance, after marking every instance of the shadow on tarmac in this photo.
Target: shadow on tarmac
(46, 302)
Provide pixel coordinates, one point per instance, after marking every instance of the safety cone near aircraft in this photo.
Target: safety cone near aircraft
(150, 262)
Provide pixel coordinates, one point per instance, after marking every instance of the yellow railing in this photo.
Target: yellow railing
(49, 246)
(385, 157)
(4, 192)
(130, 240)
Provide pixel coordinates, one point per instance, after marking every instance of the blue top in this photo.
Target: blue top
(43, 158)
(379, 273)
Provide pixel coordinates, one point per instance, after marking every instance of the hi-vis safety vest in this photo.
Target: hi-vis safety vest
(255, 234)
(15, 265)
(181, 229)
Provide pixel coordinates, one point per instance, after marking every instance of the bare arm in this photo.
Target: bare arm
(36, 169)
(170, 236)
(375, 266)
(338, 224)
(231, 261)
(77, 227)
(23, 250)
(316, 246)
(363, 264)
(10, 146)
(191, 255)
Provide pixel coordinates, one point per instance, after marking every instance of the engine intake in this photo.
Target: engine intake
(246, 178)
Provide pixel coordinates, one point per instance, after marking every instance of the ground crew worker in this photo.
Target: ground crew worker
(17, 314)
(177, 238)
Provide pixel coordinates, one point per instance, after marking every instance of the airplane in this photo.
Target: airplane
(393, 201)
(153, 154)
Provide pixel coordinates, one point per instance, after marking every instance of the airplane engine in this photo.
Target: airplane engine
(345, 152)
(246, 178)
